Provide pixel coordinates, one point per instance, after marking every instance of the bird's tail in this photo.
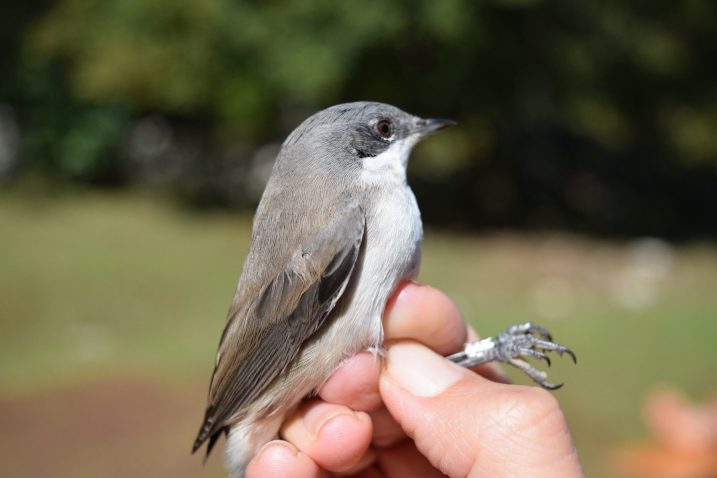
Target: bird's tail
(208, 432)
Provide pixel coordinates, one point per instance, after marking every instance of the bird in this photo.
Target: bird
(337, 229)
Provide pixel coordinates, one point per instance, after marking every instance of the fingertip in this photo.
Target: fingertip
(281, 460)
(333, 436)
(355, 383)
(425, 314)
(387, 432)
(420, 371)
(344, 440)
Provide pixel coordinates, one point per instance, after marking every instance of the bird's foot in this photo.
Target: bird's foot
(512, 346)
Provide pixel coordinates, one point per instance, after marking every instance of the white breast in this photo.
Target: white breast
(392, 255)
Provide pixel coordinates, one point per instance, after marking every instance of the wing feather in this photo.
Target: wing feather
(286, 313)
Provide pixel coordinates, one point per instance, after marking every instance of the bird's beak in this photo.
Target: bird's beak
(427, 126)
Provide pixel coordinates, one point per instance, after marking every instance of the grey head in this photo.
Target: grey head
(354, 137)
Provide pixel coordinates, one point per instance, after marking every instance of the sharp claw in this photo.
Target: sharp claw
(537, 354)
(569, 353)
(551, 386)
(543, 332)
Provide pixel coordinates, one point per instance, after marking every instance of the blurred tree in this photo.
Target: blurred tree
(597, 116)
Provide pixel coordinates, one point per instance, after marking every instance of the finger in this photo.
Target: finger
(371, 472)
(279, 459)
(426, 315)
(404, 461)
(366, 462)
(386, 430)
(355, 383)
(333, 436)
(467, 425)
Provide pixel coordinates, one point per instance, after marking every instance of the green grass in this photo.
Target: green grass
(99, 283)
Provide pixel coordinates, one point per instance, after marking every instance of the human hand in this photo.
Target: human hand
(421, 415)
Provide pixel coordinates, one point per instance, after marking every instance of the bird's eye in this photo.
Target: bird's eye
(384, 128)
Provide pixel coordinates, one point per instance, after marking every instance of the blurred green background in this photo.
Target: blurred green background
(580, 190)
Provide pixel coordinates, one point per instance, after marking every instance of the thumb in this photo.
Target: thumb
(469, 426)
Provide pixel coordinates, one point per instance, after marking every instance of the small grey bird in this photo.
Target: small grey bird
(336, 230)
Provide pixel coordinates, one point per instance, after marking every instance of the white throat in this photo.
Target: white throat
(389, 166)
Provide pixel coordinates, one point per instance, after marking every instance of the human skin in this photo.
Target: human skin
(416, 414)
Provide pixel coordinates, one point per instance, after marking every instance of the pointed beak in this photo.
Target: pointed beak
(427, 126)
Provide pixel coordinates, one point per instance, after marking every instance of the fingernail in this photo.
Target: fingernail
(318, 414)
(420, 371)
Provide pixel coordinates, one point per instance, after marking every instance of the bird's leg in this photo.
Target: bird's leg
(511, 346)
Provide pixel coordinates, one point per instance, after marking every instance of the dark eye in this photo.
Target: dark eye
(384, 128)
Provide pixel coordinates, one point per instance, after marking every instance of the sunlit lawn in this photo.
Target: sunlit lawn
(100, 284)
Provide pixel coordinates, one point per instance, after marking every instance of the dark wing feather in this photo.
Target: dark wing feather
(287, 312)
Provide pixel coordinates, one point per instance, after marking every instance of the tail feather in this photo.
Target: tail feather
(213, 441)
(207, 431)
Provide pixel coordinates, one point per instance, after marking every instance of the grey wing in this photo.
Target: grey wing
(287, 312)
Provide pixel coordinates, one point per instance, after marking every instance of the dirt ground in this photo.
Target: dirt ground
(114, 427)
